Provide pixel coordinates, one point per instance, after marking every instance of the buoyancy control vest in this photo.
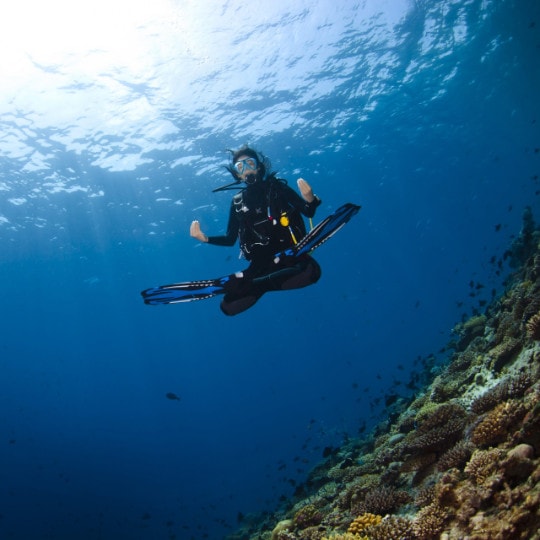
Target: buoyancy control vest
(268, 220)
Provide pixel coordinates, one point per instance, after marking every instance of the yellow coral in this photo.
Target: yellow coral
(345, 536)
(362, 522)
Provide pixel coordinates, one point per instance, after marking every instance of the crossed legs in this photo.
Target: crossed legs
(245, 291)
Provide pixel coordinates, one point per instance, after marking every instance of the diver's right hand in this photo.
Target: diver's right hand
(195, 232)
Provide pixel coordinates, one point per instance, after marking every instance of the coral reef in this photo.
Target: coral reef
(389, 528)
(533, 327)
(362, 522)
(308, 516)
(494, 427)
(461, 459)
(456, 457)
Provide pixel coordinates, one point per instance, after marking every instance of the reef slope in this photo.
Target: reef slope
(460, 459)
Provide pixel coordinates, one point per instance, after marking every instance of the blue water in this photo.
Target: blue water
(114, 122)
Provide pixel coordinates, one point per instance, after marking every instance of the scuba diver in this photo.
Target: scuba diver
(266, 218)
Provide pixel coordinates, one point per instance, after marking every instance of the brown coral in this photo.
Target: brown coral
(418, 462)
(383, 500)
(494, 427)
(512, 387)
(504, 352)
(533, 327)
(439, 426)
(391, 528)
(437, 439)
(456, 457)
(484, 464)
(437, 415)
(425, 496)
(308, 516)
(429, 522)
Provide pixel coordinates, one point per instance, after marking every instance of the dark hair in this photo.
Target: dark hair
(262, 160)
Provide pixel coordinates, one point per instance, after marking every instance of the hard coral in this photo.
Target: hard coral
(437, 439)
(429, 522)
(362, 522)
(456, 457)
(346, 536)
(418, 462)
(483, 464)
(424, 496)
(502, 353)
(391, 528)
(434, 415)
(311, 533)
(494, 427)
(533, 327)
(308, 516)
(511, 387)
(439, 426)
(282, 527)
(383, 500)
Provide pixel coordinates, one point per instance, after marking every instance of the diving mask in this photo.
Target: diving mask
(246, 164)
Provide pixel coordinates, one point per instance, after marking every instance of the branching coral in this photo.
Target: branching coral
(345, 536)
(433, 415)
(429, 522)
(439, 426)
(362, 522)
(418, 462)
(437, 439)
(483, 464)
(391, 528)
(382, 500)
(355, 492)
(494, 427)
(533, 327)
(425, 496)
(456, 457)
(512, 387)
(307, 517)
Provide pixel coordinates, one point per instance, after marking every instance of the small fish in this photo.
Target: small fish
(172, 395)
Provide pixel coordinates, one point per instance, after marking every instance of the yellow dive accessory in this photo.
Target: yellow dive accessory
(284, 221)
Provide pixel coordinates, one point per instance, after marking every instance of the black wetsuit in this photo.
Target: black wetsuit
(266, 217)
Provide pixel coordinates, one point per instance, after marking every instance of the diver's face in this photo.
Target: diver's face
(247, 169)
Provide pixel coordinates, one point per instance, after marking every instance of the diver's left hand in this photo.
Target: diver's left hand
(305, 190)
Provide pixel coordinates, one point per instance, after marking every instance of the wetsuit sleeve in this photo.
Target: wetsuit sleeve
(230, 237)
(300, 204)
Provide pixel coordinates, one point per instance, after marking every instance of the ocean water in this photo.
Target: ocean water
(115, 120)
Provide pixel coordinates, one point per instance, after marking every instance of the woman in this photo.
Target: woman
(266, 217)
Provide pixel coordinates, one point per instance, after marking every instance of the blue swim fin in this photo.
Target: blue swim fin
(322, 232)
(189, 291)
